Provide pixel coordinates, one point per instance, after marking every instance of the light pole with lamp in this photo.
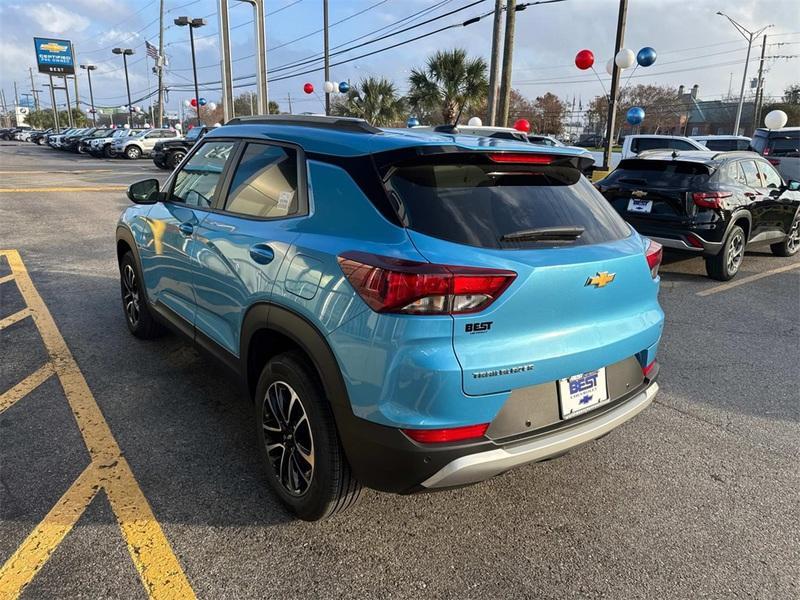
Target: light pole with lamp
(749, 36)
(89, 69)
(193, 24)
(126, 52)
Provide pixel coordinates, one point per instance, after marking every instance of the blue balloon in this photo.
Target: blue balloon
(202, 101)
(412, 122)
(635, 116)
(646, 56)
(344, 87)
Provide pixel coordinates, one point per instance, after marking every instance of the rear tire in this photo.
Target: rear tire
(791, 244)
(109, 151)
(725, 265)
(133, 152)
(299, 442)
(138, 317)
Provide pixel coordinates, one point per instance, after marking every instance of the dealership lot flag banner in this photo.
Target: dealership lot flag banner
(54, 57)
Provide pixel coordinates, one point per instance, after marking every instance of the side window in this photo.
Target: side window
(758, 143)
(265, 183)
(196, 183)
(680, 145)
(769, 176)
(751, 175)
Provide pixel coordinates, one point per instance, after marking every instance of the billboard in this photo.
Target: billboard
(54, 57)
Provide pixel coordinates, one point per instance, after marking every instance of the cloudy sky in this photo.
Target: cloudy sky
(694, 45)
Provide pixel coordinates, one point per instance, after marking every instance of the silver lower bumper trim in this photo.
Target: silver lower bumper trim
(672, 243)
(483, 465)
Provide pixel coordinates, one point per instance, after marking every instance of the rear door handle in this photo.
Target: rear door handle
(262, 254)
(186, 228)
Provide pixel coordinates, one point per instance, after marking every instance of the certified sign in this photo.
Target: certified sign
(54, 57)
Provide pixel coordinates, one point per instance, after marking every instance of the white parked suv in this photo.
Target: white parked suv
(142, 144)
(635, 144)
(723, 143)
(105, 146)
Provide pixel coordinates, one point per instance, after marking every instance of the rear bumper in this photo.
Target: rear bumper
(483, 465)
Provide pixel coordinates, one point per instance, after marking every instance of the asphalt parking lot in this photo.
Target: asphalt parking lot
(128, 469)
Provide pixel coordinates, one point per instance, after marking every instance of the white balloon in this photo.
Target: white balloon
(187, 103)
(178, 126)
(211, 106)
(475, 122)
(126, 126)
(625, 58)
(775, 119)
(329, 87)
(217, 124)
(610, 66)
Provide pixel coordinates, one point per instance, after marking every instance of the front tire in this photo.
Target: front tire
(298, 441)
(724, 265)
(138, 317)
(791, 244)
(109, 151)
(175, 158)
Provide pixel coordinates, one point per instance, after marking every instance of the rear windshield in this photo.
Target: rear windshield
(726, 145)
(785, 146)
(642, 144)
(477, 204)
(659, 173)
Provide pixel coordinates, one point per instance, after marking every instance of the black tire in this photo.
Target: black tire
(791, 244)
(109, 152)
(174, 158)
(133, 152)
(725, 265)
(329, 487)
(159, 164)
(138, 317)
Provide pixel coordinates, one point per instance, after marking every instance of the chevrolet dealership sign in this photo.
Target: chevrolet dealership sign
(54, 57)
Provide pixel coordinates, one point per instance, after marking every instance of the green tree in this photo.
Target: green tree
(791, 95)
(374, 99)
(42, 119)
(243, 102)
(450, 82)
(548, 115)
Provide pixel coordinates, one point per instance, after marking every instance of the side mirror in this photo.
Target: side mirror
(793, 186)
(144, 192)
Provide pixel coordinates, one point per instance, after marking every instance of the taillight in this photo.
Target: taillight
(521, 158)
(654, 255)
(774, 161)
(710, 199)
(453, 434)
(646, 371)
(391, 285)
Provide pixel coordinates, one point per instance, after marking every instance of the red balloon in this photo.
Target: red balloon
(584, 59)
(522, 125)
(308, 88)
(193, 101)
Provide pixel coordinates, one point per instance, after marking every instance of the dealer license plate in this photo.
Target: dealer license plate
(582, 393)
(640, 206)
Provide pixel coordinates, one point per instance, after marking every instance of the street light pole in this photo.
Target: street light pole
(193, 24)
(749, 36)
(126, 52)
(89, 69)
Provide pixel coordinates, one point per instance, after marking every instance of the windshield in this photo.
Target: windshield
(483, 204)
(194, 133)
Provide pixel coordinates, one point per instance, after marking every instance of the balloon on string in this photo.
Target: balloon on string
(625, 58)
(584, 59)
(308, 88)
(412, 122)
(635, 115)
(344, 87)
(475, 122)
(646, 56)
(212, 106)
(775, 119)
(193, 102)
(203, 101)
(329, 87)
(610, 66)
(522, 125)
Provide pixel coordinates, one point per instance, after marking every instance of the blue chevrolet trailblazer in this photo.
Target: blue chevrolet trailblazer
(408, 311)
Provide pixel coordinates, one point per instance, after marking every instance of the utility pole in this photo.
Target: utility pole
(16, 96)
(497, 28)
(225, 64)
(75, 81)
(53, 104)
(289, 94)
(69, 106)
(160, 67)
(759, 99)
(611, 123)
(89, 69)
(33, 90)
(5, 110)
(508, 59)
(327, 57)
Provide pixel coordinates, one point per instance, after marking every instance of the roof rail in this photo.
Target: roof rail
(337, 123)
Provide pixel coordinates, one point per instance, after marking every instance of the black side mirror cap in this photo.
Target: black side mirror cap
(144, 192)
(793, 186)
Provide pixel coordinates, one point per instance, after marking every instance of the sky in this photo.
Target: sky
(694, 45)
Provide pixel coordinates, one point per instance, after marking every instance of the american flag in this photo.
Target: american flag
(152, 51)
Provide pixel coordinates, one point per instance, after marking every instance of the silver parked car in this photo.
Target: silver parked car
(143, 143)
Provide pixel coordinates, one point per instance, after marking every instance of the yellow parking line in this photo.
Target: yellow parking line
(25, 387)
(749, 279)
(76, 172)
(11, 319)
(5, 278)
(44, 190)
(158, 568)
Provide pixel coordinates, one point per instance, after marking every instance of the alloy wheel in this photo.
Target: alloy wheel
(130, 295)
(793, 241)
(735, 252)
(288, 438)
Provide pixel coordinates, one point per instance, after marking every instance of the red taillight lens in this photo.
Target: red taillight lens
(521, 158)
(646, 371)
(654, 255)
(402, 286)
(710, 199)
(774, 161)
(440, 436)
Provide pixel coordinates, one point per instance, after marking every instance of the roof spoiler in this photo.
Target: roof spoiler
(349, 124)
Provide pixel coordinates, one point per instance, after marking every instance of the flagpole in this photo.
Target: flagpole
(160, 66)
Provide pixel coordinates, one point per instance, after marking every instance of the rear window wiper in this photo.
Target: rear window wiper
(544, 234)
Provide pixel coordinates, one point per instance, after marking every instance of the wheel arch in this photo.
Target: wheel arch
(743, 219)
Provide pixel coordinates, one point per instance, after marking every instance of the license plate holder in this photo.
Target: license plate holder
(582, 393)
(636, 205)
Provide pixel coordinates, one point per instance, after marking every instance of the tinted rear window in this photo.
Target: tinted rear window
(642, 144)
(477, 204)
(659, 173)
(726, 145)
(785, 146)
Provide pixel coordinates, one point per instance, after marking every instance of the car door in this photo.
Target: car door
(166, 258)
(780, 203)
(758, 197)
(241, 245)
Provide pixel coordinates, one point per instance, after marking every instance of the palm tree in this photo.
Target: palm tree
(450, 82)
(374, 99)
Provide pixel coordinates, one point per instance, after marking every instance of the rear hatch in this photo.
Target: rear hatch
(583, 297)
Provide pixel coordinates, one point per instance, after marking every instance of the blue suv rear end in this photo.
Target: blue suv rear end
(407, 311)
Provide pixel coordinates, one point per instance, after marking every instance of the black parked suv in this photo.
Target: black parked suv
(711, 203)
(169, 153)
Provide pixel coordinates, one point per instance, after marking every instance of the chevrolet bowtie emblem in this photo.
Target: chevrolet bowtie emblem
(638, 193)
(602, 279)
